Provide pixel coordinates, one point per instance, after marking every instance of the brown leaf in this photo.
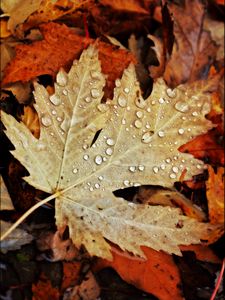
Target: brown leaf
(202, 253)
(193, 49)
(31, 120)
(71, 272)
(215, 195)
(157, 275)
(157, 71)
(59, 48)
(43, 289)
(134, 6)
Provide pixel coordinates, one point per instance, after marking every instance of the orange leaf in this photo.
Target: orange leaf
(44, 290)
(202, 253)
(31, 120)
(157, 275)
(59, 48)
(71, 271)
(215, 195)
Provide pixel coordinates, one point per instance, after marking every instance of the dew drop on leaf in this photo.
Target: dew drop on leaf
(75, 170)
(182, 106)
(109, 151)
(61, 78)
(87, 99)
(95, 93)
(126, 182)
(110, 142)
(171, 93)
(138, 124)
(95, 74)
(161, 133)
(100, 178)
(141, 168)
(98, 159)
(46, 121)
(139, 114)
(146, 137)
(132, 168)
(155, 170)
(118, 83)
(161, 100)
(181, 131)
(55, 100)
(173, 175)
(97, 185)
(194, 113)
(122, 101)
(175, 169)
(126, 90)
(85, 157)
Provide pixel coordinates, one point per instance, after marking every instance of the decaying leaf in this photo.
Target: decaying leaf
(59, 48)
(31, 120)
(6, 202)
(193, 49)
(157, 71)
(15, 240)
(137, 143)
(19, 10)
(157, 275)
(43, 289)
(215, 195)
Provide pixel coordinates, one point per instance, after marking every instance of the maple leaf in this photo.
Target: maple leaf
(193, 49)
(137, 143)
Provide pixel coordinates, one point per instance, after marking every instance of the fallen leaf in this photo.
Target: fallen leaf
(21, 91)
(71, 274)
(193, 50)
(43, 289)
(130, 125)
(31, 120)
(157, 71)
(87, 290)
(202, 253)
(6, 202)
(18, 10)
(215, 195)
(120, 5)
(4, 32)
(169, 198)
(15, 240)
(158, 274)
(52, 10)
(60, 249)
(59, 48)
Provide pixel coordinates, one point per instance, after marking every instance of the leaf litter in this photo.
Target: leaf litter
(98, 127)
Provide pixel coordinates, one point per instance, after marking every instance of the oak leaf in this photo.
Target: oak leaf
(88, 149)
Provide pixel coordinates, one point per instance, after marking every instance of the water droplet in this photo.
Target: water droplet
(53, 112)
(123, 122)
(85, 146)
(95, 74)
(59, 119)
(146, 137)
(100, 178)
(161, 133)
(195, 113)
(118, 83)
(75, 170)
(175, 169)
(91, 189)
(109, 151)
(161, 100)
(65, 125)
(98, 159)
(147, 125)
(168, 160)
(153, 102)
(140, 102)
(46, 121)
(122, 101)
(138, 124)
(102, 107)
(126, 90)
(141, 168)
(139, 114)
(171, 93)
(61, 78)
(155, 169)
(149, 109)
(55, 100)
(182, 106)
(126, 182)
(97, 185)
(173, 175)
(206, 108)
(87, 99)
(110, 142)
(85, 157)
(163, 166)
(104, 159)
(199, 166)
(65, 92)
(95, 93)
(181, 131)
(132, 168)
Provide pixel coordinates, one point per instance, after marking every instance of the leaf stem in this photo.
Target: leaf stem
(27, 213)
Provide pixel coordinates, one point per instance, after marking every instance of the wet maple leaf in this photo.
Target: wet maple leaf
(215, 195)
(193, 49)
(43, 289)
(59, 48)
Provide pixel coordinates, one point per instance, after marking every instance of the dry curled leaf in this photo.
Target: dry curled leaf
(215, 195)
(81, 169)
(193, 49)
